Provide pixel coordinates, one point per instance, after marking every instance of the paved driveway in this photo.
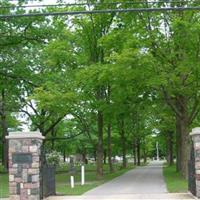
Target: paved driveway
(140, 183)
(127, 197)
(142, 180)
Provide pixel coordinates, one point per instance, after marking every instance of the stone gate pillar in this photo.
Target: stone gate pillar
(24, 165)
(195, 134)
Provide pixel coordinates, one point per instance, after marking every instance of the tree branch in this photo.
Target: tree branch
(63, 138)
(169, 101)
(53, 125)
(86, 127)
(12, 76)
(195, 111)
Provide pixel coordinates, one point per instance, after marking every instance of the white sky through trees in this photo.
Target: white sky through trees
(21, 117)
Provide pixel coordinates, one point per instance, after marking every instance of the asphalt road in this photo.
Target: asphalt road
(140, 183)
(142, 180)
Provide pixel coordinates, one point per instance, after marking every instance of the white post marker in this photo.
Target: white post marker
(82, 175)
(72, 181)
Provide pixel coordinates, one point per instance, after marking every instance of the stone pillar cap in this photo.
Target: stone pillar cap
(195, 131)
(25, 135)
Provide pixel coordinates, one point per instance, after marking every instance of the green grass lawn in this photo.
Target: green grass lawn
(63, 179)
(3, 185)
(175, 182)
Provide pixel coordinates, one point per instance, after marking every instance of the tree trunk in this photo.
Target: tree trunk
(145, 157)
(123, 142)
(104, 156)
(109, 132)
(185, 147)
(178, 145)
(138, 152)
(53, 141)
(135, 151)
(95, 155)
(84, 156)
(100, 152)
(109, 148)
(145, 154)
(64, 155)
(183, 124)
(2, 146)
(170, 159)
(4, 127)
(5, 142)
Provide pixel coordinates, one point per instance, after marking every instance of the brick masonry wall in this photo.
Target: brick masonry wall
(195, 134)
(24, 168)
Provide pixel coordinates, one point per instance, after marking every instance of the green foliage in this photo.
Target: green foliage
(53, 99)
(61, 72)
(53, 158)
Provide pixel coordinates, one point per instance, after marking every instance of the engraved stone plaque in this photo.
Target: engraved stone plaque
(22, 158)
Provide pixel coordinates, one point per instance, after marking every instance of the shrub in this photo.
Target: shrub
(53, 158)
